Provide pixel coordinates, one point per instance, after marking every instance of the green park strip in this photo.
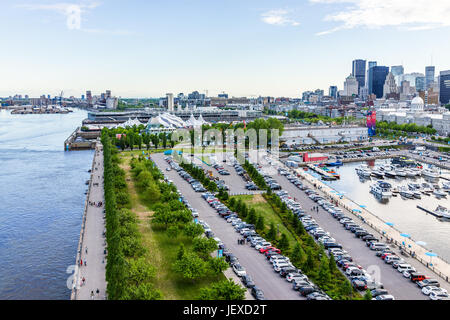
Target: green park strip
(174, 245)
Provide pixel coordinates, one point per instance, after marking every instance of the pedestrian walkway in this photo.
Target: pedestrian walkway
(91, 258)
(436, 264)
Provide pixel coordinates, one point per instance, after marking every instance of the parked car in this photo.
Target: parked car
(384, 297)
(428, 282)
(257, 293)
(378, 292)
(239, 270)
(248, 281)
(429, 289)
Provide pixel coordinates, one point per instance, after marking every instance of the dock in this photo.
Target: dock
(80, 140)
(322, 172)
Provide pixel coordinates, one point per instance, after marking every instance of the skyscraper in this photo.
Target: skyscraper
(371, 64)
(333, 92)
(170, 102)
(397, 72)
(377, 78)
(359, 72)
(351, 86)
(429, 76)
(444, 80)
(420, 83)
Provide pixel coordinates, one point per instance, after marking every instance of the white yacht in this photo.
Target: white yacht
(431, 173)
(409, 173)
(439, 193)
(390, 172)
(446, 186)
(400, 173)
(363, 171)
(442, 212)
(378, 173)
(381, 189)
(427, 188)
(404, 192)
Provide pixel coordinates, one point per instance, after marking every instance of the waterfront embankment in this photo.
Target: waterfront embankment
(89, 274)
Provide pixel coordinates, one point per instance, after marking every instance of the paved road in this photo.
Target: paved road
(93, 240)
(394, 282)
(256, 265)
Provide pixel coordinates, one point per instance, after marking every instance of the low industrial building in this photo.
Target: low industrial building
(323, 134)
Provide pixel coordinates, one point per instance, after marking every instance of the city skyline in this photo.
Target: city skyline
(245, 49)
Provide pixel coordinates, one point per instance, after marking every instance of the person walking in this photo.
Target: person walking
(86, 250)
(98, 292)
(92, 295)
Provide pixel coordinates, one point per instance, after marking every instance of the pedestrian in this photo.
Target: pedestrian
(81, 262)
(238, 241)
(86, 250)
(85, 264)
(98, 292)
(92, 295)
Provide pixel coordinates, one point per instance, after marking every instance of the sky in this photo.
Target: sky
(147, 48)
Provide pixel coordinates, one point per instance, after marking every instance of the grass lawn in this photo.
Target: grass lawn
(161, 249)
(262, 207)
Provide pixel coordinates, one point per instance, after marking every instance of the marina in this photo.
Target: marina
(402, 209)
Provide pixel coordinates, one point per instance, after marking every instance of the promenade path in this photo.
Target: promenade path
(435, 264)
(92, 247)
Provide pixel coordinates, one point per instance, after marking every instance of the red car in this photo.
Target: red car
(274, 250)
(265, 249)
(386, 255)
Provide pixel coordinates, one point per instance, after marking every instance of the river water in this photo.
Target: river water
(42, 194)
(403, 213)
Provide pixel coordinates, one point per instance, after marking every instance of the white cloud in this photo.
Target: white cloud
(279, 18)
(72, 11)
(405, 14)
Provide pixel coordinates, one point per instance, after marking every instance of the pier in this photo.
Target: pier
(80, 140)
(322, 172)
(91, 252)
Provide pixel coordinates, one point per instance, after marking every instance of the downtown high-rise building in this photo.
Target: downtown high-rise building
(370, 64)
(333, 92)
(376, 80)
(444, 93)
(429, 76)
(359, 72)
(397, 72)
(420, 83)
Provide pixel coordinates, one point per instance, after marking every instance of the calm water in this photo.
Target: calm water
(402, 212)
(41, 203)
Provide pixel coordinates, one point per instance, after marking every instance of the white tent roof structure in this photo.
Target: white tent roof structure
(130, 123)
(192, 122)
(166, 120)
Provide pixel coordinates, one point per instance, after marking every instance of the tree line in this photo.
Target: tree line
(128, 274)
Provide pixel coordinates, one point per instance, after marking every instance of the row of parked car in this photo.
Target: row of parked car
(359, 278)
(430, 287)
(250, 185)
(221, 170)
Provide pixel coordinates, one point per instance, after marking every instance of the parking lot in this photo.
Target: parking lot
(274, 286)
(393, 281)
(235, 182)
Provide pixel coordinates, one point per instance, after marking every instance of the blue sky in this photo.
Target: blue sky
(141, 48)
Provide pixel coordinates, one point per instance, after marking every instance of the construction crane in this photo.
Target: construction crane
(61, 98)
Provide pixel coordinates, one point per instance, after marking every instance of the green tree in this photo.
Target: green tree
(224, 290)
(272, 234)
(190, 266)
(217, 265)
(173, 231)
(252, 218)
(298, 255)
(204, 246)
(193, 230)
(283, 244)
(152, 193)
(260, 223)
(368, 295)
(324, 270)
(143, 291)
